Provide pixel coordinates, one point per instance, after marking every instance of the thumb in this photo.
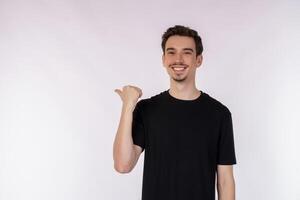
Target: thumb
(118, 91)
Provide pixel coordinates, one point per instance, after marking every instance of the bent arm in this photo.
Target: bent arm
(125, 152)
(225, 182)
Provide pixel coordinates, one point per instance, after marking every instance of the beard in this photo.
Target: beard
(179, 79)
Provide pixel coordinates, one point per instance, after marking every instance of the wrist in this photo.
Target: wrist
(128, 106)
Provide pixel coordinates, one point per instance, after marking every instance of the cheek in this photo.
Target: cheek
(170, 59)
(192, 62)
(167, 63)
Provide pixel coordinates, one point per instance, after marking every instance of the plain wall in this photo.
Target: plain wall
(60, 62)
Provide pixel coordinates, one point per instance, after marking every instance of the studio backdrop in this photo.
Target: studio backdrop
(60, 62)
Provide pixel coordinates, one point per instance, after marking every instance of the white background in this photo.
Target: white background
(60, 62)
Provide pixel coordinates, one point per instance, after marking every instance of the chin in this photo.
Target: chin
(179, 79)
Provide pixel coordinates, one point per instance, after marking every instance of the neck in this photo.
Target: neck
(184, 90)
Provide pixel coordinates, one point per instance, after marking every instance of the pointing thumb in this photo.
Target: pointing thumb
(118, 91)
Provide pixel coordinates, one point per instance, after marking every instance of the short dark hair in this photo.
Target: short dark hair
(182, 31)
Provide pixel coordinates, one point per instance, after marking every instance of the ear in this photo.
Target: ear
(163, 59)
(199, 60)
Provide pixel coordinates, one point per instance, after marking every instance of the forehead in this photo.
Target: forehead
(180, 42)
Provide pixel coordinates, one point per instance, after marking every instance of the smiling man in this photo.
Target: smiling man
(187, 135)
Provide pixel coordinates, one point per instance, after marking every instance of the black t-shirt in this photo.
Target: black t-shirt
(184, 141)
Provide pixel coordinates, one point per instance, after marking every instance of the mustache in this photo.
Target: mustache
(182, 64)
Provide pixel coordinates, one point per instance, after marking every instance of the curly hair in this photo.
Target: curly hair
(182, 31)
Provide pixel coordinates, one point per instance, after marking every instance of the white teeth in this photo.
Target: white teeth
(178, 68)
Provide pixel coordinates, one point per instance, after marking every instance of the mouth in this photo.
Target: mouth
(179, 68)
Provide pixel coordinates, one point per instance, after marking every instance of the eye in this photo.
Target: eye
(188, 52)
(170, 52)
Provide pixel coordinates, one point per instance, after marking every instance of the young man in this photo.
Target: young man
(187, 135)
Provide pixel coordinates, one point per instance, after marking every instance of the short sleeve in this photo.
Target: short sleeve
(138, 130)
(226, 149)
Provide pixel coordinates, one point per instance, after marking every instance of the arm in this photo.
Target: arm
(225, 182)
(125, 153)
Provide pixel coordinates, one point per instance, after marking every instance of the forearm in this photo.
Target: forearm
(226, 189)
(123, 152)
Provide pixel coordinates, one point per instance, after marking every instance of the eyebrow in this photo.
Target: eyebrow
(189, 49)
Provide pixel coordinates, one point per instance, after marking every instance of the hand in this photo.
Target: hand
(130, 94)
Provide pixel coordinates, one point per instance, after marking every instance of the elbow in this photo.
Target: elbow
(122, 169)
(123, 164)
(224, 183)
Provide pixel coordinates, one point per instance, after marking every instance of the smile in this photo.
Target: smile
(179, 69)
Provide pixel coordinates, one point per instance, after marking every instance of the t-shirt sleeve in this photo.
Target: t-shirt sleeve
(226, 150)
(138, 130)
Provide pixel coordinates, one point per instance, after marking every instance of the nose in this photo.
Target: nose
(178, 57)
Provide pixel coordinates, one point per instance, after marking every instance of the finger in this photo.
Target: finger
(140, 93)
(131, 86)
(118, 91)
(138, 89)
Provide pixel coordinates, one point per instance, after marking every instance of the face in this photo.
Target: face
(180, 58)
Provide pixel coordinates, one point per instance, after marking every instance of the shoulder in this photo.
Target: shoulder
(217, 105)
(151, 100)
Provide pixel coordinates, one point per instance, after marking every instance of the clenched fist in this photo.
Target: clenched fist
(130, 94)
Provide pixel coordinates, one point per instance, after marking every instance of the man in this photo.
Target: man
(187, 135)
